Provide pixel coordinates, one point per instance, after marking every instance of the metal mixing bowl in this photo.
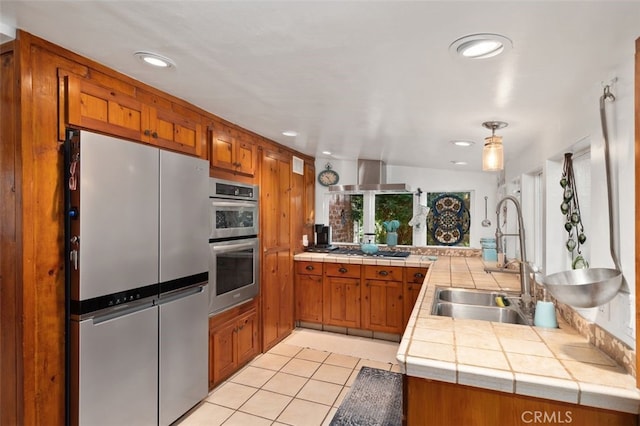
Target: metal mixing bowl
(584, 288)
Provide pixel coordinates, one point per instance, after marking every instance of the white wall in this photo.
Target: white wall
(580, 128)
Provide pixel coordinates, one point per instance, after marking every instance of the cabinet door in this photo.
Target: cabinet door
(245, 156)
(411, 291)
(308, 293)
(277, 296)
(247, 337)
(275, 198)
(222, 147)
(382, 306)
(341, 302)
(224, 360)
(90, 106)
(174, 131)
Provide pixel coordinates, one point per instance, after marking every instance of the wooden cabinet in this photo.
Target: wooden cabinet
(382, 299)
(309, 197)
(308, 292)
(277, 297)
(145, 117)
(233, 341)
(277, 264)
(90, 106)
(171, 126)
(413, 279)
(341, 295)
(233, 150)
(369, 297)
(433, 403)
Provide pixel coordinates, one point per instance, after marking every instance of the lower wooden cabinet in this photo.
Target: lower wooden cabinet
(413, 279)
(233, 341)
(341, 295)
(382, 307)
(308, 292)
(368, 297)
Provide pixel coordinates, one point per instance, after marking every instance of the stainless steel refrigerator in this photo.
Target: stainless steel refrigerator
(137, 240)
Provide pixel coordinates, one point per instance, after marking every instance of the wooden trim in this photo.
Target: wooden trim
(637, 196)
(10, 288)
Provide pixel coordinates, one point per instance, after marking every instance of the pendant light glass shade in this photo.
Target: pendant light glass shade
(492, 154)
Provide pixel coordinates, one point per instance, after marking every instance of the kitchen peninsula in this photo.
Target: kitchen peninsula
(478, 372)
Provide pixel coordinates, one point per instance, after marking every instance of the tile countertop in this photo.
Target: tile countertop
(411, 260)
(557, 364)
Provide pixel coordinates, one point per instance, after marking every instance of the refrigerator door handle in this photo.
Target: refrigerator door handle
(118, 311)
(179, 294)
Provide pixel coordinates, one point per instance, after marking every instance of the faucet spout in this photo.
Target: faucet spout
(525, 280)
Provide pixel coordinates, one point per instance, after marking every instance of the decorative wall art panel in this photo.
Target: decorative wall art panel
(448, 221)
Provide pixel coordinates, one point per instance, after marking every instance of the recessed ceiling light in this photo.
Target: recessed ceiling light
(480, 46)
(459, 163)
(326, 152)
(462, 143)
(290, 133)
(154, 59)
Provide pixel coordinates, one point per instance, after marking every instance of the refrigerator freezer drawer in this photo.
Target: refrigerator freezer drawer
(184, 334)
(115, 369)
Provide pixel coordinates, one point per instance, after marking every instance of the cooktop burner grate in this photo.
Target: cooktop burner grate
(379, 253)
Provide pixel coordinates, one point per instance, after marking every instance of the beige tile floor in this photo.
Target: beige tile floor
(301, 381)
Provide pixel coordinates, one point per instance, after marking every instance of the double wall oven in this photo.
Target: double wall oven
(234, 263)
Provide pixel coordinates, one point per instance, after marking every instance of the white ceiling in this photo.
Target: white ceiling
(362, 79)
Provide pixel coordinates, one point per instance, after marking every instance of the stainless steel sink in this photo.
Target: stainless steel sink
(468, 297)
(477, 305)
(482, 313)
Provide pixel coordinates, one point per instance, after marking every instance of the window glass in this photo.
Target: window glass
(351, 214)
(389, 207)
(346, 217)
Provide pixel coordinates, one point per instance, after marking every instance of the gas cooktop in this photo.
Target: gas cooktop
(380, 253)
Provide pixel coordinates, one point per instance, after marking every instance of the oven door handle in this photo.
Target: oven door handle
(222, 248)
(236, 204)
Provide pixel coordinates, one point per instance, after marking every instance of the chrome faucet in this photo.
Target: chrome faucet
(526, 289)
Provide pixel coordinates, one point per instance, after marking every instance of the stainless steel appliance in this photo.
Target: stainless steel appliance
(234, 209)
(136, 226)
(234, 261)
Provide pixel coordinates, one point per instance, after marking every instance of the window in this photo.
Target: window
(351, 215)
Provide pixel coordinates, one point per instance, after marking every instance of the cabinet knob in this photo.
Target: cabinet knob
(309, 268)
(147, 132)
(383, 273)
(154, 135)
(419, 275)
(342, 270)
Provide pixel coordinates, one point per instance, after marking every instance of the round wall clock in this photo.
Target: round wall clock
(328, 176)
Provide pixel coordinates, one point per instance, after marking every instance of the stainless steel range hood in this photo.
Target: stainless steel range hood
(372, 176)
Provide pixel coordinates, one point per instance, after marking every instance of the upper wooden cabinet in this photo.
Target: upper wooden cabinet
(145, 117)
(232, 150)
(91, 106)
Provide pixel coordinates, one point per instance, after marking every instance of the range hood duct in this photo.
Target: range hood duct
(372, 176)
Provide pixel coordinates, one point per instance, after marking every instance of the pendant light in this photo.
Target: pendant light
(492, 153)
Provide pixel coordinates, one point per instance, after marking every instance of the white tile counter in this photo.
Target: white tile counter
(556, 364)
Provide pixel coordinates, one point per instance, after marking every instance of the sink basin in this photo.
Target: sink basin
(468, 297)
(482, 313)
(475, 304)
